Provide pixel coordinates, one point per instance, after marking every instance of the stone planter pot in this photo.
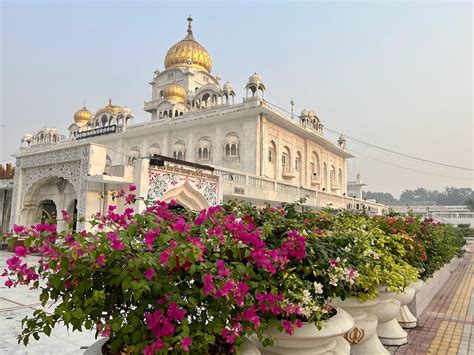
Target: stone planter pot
(405, 318)
(388, 329)
(96, 349)
(308, 340)
(363, 337)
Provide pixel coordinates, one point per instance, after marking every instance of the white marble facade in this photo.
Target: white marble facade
(258, 153)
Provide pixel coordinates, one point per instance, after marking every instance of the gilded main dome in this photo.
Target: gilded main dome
(82, 116)
(174, 92)
(188, 52)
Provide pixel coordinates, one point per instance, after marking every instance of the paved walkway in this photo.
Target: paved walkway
(15, 304)
(447, 324)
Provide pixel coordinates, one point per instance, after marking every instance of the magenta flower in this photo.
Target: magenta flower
(20, 251)
(185, 342)
(132, 188)
(287, 326)
(149, 273)
(208, 284)
(174, 312)
(18, 229)
(220, 264)
(9, 283)
(100, 260)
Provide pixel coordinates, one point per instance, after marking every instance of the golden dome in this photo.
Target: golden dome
(109, 109)
(82, 116)
(174, 92)
(188, 52)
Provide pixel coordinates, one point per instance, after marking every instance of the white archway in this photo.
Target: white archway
(55, 190)
(186, 196)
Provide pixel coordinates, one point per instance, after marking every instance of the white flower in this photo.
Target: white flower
(306, 297)
(306, 312)
(347, 248)
(333, 280)
(375, 256)
(318, 288)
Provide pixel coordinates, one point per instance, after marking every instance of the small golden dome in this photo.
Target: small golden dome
(109, 109)
(188, 52)
(82, 116)
(174, 92)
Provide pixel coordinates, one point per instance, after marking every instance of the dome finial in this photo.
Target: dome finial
(110, 102)
(190, 26)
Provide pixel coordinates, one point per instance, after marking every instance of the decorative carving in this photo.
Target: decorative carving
(61, 184)
(164, 179)
(70, 164)
(355, 335)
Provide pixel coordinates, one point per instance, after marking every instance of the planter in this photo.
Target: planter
(96, 349)
(363, 337)
(308, 340)
(431, 287)
(405, 318)
(388, 329)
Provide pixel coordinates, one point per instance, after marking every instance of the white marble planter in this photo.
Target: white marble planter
(308, 340)
(388, 329)
(96, 349)
(405, 318)
(363, 337)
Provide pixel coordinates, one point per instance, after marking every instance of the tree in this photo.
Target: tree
(470, 203)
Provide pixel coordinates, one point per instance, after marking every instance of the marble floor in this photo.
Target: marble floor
(15, 304)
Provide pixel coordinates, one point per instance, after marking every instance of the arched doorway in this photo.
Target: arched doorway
(47, 211)
(48, 195)
(72, 211)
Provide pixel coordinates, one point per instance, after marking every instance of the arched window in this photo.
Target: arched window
(285, 159)
(204, 148)
(104, 121)
(133, 155)
(232, 145)
(298, 161)
(154, 150)
(179, 151)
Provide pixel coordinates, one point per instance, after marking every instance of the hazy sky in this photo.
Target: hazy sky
(395, 74)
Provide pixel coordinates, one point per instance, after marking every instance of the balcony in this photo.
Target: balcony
(315, 179)
(289, 173)
(150, 105)
(260, 190)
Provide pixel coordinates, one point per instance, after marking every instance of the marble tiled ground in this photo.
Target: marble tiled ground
(15, 304)
(447, 324)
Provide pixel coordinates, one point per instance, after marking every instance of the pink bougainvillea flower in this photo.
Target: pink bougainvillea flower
(20, 251)
(149, 273)
(208, 284)
(132, 188)
(100, 260)
(9, 283)
(220, 264)
(185, 342)
(150, 237)
(66, 215)
(18, 229)
(130, 198)
(174, 312)
(287, 326)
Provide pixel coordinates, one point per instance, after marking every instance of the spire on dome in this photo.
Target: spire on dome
(190, 25)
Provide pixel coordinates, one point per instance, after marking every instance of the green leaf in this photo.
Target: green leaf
(47, 330)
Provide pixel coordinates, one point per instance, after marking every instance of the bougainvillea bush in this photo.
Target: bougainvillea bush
(429, 244)
(347, 254)
(171, 280)
(166, 279)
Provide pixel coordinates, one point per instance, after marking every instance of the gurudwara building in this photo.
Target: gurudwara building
(200, 147)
